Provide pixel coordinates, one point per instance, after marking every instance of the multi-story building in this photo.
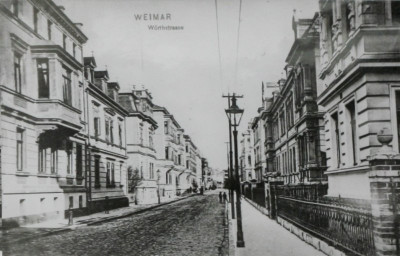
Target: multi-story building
(360, 88)
(42, 112)
(192, 156)
(140, 145)
(106, 176)
(247, 155)
(257, 126)
(293, 120)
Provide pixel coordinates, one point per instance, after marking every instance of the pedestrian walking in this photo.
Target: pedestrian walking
(225, 197)
(220, 197)
(106, 206)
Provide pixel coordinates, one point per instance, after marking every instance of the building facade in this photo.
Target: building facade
(140, 145)
(42, 113)
(293, 121)
(247, 158)
(106, 177)
(360, 81)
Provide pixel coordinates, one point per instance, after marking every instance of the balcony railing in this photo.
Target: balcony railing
(350, 227)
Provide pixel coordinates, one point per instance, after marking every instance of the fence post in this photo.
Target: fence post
(385, 194)
(273, 187)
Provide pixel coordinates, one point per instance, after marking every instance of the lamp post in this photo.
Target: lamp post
(158, 186)
(234, 114)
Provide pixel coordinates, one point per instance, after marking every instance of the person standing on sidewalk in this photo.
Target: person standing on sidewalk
(225, 198)
(220, 197)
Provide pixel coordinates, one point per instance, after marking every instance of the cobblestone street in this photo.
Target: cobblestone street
(193, 226)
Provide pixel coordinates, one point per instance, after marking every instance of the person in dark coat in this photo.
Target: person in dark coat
(220, 197)
(225, 197)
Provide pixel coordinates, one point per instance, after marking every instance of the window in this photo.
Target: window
(166, 131)
(112, 174)
(151, 171)
(108, 174)
(96, 123)
(166, 153)
(289, 113)
(67, 96)
(249, 160)
(395, 12)
(42, 158)
(187, 148)
(43, 78)
(49, 29)
(107, 123)
(80, 201)
(282, 122)
(17, 72)
(353, 130)
(71, 202)
(69, 157)
(64, 42)
(35, 19)
(111, 132)
(78, 160)
(187, 164)
(336, 137)
(14, 7)
(141, 135)
(20, 149)
(73, 49)
(179, 159)
(151, 143)
(97, 172)
(120, 134)
(294, 160)
(54, 160)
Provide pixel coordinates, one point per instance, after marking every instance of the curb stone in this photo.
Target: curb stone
(67, 229)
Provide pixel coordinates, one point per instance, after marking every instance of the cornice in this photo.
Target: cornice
(54, 11)
(53, 48)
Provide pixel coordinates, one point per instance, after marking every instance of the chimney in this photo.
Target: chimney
(62, 8)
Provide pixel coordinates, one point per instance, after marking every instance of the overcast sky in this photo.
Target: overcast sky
(181, 68)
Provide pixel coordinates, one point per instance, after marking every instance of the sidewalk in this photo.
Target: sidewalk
(61, 225)
(264, 236)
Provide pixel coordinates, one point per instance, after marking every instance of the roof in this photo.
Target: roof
(101, 74)
(113, 85)
(89, 61)
(126, 103)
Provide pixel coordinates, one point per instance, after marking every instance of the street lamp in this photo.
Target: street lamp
(235, 114)
(158, 185)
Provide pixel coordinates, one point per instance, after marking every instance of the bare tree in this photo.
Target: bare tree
(134, 179)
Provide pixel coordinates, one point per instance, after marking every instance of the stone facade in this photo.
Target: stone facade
(360, 96)
(106, 181)
(42, 113)
(140, 144)
(293, 121)
(247, 155)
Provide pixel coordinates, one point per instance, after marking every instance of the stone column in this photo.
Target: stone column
(385, 194)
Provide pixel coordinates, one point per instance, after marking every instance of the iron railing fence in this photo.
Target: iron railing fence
(348, 226)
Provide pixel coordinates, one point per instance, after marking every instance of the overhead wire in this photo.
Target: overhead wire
(237, 44)
(219, 46)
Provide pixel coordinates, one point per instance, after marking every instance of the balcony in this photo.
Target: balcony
(48, 114)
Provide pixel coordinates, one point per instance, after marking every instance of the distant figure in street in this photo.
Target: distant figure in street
(106, 206)
(220, 197)
(225, 197)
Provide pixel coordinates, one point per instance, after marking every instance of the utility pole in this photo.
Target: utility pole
(230, 169)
